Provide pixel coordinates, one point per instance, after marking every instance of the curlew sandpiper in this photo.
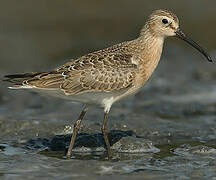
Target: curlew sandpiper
(108, 75)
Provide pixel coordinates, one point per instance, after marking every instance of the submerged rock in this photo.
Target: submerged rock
(187, 149)
(120, 141)
(133, 144)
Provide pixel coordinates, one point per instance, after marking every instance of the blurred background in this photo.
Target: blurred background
(39, 35)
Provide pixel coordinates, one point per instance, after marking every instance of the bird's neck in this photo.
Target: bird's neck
(148, 52)
(150, 45)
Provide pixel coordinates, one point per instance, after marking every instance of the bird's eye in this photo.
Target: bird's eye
(165, 21)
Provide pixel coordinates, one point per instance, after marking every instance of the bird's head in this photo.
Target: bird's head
(164, 23)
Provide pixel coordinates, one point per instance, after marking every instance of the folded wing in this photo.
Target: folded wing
(98, 71)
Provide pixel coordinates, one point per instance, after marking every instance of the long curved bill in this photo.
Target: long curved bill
(182, 36)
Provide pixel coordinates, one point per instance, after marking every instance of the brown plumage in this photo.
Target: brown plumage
(105, 70)
(106, 76)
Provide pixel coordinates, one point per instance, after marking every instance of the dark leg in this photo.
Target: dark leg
(103, 129)
(75, 131)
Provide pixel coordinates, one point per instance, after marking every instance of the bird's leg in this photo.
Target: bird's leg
(75, 131)
(105, 135)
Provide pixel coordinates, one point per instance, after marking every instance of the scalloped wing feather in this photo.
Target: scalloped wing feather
(105, 70)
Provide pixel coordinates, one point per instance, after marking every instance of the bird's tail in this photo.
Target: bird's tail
(18, 79)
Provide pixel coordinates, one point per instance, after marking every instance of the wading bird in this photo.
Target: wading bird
(108, 75)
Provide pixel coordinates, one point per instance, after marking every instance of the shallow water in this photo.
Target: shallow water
(166, 131)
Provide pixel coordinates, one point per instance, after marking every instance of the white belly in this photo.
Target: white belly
(104, 99)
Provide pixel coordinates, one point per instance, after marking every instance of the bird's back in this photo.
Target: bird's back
(105, 70)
